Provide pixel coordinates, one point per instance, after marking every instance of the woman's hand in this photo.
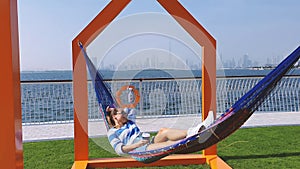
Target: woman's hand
(142, 142)
(109, 109)
(131, 147)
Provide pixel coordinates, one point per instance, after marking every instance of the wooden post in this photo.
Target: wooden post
(11, 148)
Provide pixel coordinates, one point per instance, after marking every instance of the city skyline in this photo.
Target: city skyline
(154, 62)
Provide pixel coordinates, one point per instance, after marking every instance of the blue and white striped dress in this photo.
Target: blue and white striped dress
(126, 135)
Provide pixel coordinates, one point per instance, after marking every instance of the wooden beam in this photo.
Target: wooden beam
(216, 162)
(11, 148)
(125, 162)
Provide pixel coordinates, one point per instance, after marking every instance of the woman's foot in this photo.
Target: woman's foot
(202, 126)
(209, 119)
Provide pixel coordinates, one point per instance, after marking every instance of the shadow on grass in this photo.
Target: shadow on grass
(297, 154)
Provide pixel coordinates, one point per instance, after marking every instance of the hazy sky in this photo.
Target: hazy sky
(260, 28)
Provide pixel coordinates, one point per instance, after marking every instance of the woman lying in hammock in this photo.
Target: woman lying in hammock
(125, 136)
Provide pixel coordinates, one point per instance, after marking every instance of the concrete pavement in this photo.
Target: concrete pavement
(66, 131)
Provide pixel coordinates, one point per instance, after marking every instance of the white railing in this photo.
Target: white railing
(47, 102)
(52, 101)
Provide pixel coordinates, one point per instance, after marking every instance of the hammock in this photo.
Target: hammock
(103, 94)
(222, 127)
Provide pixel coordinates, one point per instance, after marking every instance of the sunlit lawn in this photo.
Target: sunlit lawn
(266, 147)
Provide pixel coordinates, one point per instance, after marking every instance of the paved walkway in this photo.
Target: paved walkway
(66, 131)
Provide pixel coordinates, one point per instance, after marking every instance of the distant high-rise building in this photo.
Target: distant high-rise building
(246, 61)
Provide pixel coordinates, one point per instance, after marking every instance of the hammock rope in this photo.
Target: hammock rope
(222, 127)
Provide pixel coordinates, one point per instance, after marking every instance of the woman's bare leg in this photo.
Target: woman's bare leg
(168, 134)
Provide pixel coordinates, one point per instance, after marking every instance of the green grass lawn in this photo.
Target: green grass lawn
(265, 147)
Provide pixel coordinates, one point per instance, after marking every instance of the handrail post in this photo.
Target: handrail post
(141, 95)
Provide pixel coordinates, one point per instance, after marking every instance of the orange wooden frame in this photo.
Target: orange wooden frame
(11, 148)
(93, 29)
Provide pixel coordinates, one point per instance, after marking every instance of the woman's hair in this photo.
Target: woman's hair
(109, 117)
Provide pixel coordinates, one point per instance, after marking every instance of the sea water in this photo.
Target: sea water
(46, 102)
